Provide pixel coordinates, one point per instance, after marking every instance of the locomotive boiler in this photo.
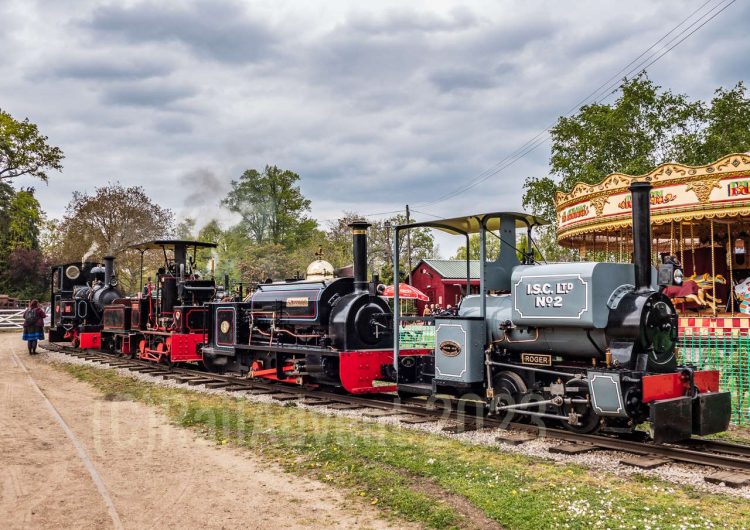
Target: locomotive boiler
(590, 345)
(321, 330)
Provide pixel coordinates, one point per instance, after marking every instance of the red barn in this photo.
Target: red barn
(444, 280)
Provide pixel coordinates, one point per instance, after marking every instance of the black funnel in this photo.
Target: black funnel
(109, 269)
(641, 199)
(359, 244)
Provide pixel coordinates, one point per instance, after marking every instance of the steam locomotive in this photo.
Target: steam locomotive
(591, 345)
(165, 323)
(80, 293)
(320, 331)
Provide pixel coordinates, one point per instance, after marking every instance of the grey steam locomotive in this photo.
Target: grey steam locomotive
(591, 345)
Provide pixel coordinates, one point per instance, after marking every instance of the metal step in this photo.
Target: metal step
(424, 389)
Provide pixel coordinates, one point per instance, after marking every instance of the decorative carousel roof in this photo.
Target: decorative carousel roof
(680, 193)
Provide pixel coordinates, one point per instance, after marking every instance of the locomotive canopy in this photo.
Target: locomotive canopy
(592, 345)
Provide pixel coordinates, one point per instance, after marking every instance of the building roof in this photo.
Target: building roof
(452, 268)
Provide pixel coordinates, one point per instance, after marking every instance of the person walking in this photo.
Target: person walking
(33, 325)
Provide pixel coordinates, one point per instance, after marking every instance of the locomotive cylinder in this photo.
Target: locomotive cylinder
(640, 193)
(359, 243)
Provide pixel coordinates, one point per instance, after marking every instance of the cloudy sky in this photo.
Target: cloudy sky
(373, 104)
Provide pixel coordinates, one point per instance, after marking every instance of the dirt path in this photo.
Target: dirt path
(156, 474)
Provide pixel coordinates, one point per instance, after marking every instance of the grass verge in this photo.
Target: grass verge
(429, 479)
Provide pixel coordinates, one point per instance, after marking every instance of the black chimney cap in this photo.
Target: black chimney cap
(359, 224)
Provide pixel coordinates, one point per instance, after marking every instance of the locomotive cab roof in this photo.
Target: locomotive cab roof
(170, 244)
(471, 224)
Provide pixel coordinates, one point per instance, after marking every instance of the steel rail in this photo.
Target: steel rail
(698, 451)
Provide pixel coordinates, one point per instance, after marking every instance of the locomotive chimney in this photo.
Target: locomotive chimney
(640, 193)
(109, 269)
(359, 242)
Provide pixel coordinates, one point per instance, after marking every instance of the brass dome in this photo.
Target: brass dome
(319, 269)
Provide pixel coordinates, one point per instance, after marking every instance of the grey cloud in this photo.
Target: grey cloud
(220, 30)
(396, 21)
(109, 68)
(459, 78)
(140, 95)
(173, 125)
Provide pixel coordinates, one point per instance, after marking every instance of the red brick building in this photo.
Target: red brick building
(444, 280)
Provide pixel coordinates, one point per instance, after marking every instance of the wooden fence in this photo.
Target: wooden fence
(11, 319)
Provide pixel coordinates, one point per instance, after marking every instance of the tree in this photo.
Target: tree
(27, 273)
(380, 243)
(728, 129)
(645, 127)
(493, 248)
(25, 219)
(21, 219)
(108, 222)
(24, 150)
(272, 207)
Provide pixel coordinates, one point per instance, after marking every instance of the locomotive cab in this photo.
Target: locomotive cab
(588, 345)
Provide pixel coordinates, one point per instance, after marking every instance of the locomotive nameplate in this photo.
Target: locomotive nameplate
(536, 359)
(450, 348)
(557, 296)
(225, 325)
(300, 301)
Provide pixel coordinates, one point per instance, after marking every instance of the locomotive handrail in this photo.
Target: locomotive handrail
(397, 318)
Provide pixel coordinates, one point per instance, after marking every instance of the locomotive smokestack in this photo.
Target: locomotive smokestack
(640, 193)
(359, 243)
(109, 269)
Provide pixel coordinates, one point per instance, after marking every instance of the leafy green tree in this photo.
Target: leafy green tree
(21, 220)
(185, 229)
(25, 221)
(728, 129)
(24, 150)
(644, 127)
(272, 207)
(493, 248)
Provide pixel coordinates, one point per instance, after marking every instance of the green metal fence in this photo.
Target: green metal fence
(731, 356)
(416, 336)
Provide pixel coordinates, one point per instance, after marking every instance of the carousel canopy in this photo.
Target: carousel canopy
(684, 200)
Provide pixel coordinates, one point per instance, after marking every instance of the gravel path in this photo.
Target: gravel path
(156, 474)
(599, 461)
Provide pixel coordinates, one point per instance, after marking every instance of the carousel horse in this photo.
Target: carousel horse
(693, 289)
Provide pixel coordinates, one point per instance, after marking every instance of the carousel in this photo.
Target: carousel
(700, 219)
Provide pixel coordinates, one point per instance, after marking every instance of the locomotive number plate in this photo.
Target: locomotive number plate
(300, 301)
(537, 359)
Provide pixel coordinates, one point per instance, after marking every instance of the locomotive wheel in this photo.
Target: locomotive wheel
(509, 389)
(210, 364)
(589, 421)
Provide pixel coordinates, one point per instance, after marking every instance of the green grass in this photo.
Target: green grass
(432, 480)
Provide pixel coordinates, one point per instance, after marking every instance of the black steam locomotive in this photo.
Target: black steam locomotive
(321, 330)
(165, 323)
(80, 293)
(591, 345)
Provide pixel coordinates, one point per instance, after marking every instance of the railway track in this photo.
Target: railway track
(731, 460)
